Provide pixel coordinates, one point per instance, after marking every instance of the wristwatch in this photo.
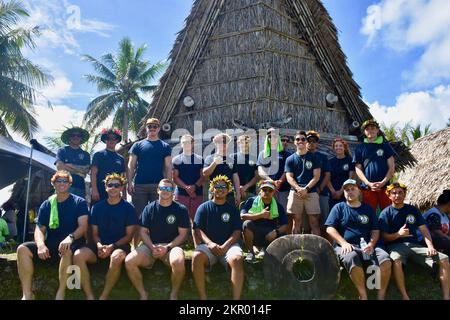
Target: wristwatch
(115, 246)
(71, 236)
(308, 189)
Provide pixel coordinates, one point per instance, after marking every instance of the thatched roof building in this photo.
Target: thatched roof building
(257, 63)
(431, 175)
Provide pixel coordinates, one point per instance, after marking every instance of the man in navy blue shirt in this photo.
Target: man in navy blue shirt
(62, 223)
(348, 223)
(221, 163)
(73, 159)
(271, 164)
(264, 219)
(150, 161)
(164, 226)
(106, 162)
(303, 172)
(218, 226)
(188, 176)
(399, 224)
(113, 222)
(245, 163)
(374, 165)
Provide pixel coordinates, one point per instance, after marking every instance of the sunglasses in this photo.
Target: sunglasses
(60, 180)
(268, 190)
(113, 185)
(300, 139)
(76, 135)
(111, 138)
(153, 126)
(220, 186)
(284, 140)
(168, 189)
(312, 140)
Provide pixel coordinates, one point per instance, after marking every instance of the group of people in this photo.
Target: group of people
(257, 197)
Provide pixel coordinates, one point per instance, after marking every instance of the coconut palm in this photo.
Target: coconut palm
(417, 131)
(123, 79)
(19, 77)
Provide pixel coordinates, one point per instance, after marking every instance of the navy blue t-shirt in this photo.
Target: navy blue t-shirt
(270, 223)
(353, 223)
(150, 160)
(340, 169)
(68, 213)
(189, 170)
(78, 157)
(107, 162)
(163, 222)
(324, 167)
(303, 168)
(374, 159)
(112, 220)
(276, 168)
(246, 168)
(218, 222)
(392, 219)
(225, 168)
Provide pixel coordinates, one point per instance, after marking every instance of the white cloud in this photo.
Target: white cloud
(403, 25)
(422, 107)
(60, 22)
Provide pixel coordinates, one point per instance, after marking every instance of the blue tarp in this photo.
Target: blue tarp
(14, 161)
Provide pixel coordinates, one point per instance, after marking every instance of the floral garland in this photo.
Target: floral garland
(112, 130)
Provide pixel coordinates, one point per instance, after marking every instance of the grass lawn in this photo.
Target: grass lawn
(420, 284)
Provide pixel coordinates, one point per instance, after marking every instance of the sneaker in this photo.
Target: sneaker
(250, 258)
(261, 254)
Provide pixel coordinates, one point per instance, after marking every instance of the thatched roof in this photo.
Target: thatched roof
(431, 175)
(260, 61)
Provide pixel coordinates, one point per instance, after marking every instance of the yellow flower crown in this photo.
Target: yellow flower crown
(220, 178)
(115, 176)
(395, 185)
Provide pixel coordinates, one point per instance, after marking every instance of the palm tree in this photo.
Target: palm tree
(417, 132)
(19, 77)
(123, 79)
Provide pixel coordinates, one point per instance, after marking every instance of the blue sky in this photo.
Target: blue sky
(402, 70)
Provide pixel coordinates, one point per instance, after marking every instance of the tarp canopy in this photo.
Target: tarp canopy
(14, 160)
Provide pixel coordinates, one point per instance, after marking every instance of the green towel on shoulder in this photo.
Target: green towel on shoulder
(267, 149)
(378, 140)
(258, 206)
(54, 217)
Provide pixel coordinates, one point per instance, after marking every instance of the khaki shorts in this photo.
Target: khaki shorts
(165, 259)
(298, 206)
(414, 251)
(234, 250)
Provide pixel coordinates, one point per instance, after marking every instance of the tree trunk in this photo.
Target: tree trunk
(125, 122)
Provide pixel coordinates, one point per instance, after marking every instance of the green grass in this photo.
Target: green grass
(420, 284)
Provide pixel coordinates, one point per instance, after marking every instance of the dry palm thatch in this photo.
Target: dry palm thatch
(261, 61)
(431, 175)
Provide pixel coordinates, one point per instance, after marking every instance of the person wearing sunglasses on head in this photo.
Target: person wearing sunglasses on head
(61, 224)
(106, 161)
(164, 227)
(264, 220)
(112, 222)
(74, 159)
(150, 161)
(220, 163)
(303, 172)
(218, 226)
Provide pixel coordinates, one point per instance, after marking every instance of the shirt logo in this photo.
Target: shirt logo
(308, 165)
(81, 156)
(225, 217)
(410, 219)
(345, 167)
(380, 152)
(231, 166)
(252, 163)
(363, 219)
(171, 219)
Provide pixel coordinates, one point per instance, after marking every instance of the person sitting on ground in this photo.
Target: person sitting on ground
(437, 219)
(61, 224)
(10, 216)
(164, 227)
(113, 222)
(4, 232)
(347, 224)
(218, 225)
(264, 219)
(399, 224)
